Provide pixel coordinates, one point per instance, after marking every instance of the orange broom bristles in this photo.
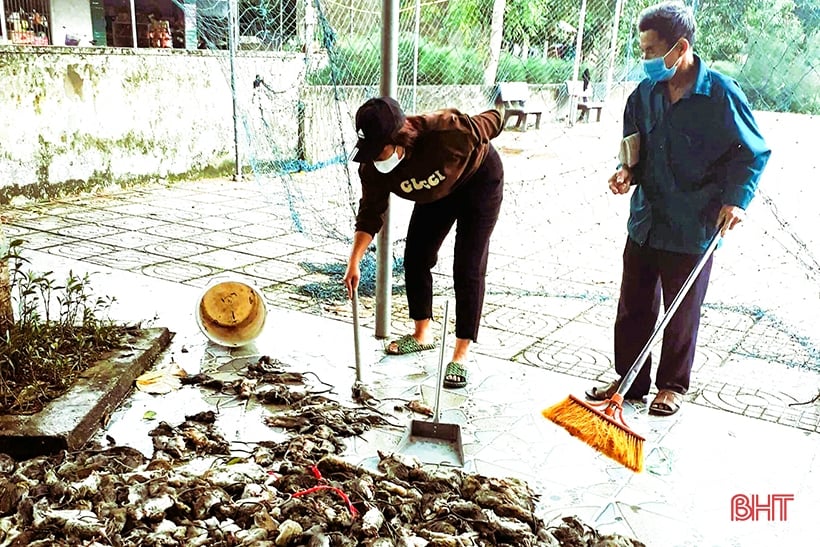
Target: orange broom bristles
(599, 429)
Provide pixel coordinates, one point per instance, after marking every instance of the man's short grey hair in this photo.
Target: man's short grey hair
(671, 20)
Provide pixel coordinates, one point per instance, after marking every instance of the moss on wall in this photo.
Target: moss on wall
(45, 153)
(81, 119)
(104, 181)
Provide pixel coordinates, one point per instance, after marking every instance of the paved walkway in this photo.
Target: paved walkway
(749, 427)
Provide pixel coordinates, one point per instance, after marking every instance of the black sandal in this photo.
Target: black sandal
(455, 376)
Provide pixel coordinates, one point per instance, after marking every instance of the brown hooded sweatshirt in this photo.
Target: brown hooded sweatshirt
(450, 147)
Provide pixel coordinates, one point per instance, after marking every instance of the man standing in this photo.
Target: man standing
(699, 160)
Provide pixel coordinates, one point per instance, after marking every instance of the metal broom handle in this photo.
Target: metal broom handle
(440, 379)
(667, 316)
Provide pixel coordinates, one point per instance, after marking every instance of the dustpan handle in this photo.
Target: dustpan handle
(440, 379)
(633, 371)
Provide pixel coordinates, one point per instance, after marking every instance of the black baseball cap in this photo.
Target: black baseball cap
(377, 121)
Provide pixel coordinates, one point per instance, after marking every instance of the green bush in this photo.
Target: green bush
(777, 75)
(535, 70)
(356, 61)
(48, 346)
(510, 69)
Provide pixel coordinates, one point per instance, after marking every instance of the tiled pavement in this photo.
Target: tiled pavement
(748, 427)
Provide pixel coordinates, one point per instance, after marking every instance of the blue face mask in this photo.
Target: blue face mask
(655, 69)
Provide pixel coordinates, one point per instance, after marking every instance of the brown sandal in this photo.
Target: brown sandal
(606, 391)
(602, 393)
(666, 403)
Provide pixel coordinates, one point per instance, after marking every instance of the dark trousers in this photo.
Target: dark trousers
(648, 274)
(474, 208)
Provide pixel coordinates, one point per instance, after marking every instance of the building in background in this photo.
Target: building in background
(113, 23)
(26, 22)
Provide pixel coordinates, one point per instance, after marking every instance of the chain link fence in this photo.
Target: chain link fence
(295, 131)
(453, 52)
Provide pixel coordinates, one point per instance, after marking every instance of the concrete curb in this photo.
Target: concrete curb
(67, 422)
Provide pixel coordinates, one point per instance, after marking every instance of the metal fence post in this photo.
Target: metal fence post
(613, 47)
(134, 24)
(416, 55)
(3, 21)
(233, 33)
(389, 85)
(579, 40)
(576, 65)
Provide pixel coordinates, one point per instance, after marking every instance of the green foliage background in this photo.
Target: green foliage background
(357, 60)
(771, 47)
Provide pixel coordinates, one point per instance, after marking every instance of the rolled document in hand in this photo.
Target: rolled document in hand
(630, 150)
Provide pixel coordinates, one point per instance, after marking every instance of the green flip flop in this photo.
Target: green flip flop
(455, 375)
(407, 344)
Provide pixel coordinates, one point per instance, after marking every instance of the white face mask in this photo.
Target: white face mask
(385, 166)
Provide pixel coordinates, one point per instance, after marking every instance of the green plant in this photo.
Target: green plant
(45, 349)
(777, 76)
(535, 70)
(355, 61)
(511, 69)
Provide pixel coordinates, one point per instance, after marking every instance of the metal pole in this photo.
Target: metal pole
(576, 65)
(133, 24)
(388, 87)
(356, 344)
(416, 56)
(232, 38)
(613, 46)
(579, 40)
(3, 36)
(496, 37)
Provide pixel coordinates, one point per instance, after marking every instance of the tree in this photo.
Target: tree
(726, 27)
(808, 12)
(496, 36)
(535, 22)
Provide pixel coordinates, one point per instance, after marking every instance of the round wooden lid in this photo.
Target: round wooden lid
(229, 304)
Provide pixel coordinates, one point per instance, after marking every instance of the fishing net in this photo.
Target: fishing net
(295, 131)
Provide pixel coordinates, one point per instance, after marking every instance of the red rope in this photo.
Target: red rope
(318, 475)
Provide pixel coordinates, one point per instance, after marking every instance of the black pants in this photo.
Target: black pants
(648, 274)
(474, 208)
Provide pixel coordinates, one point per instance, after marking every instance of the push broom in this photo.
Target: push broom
(601, 425)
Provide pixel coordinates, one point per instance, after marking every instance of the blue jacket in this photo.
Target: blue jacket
(696, 155)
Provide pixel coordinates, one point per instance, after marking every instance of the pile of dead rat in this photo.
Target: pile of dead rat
(197, 489)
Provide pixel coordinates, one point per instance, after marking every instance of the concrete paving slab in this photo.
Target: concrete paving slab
(546, 333)
(696, 461)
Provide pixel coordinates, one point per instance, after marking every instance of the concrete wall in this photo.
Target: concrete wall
(81, 118)
(86, 117)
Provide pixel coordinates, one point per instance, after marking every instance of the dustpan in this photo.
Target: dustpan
(435, 442)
